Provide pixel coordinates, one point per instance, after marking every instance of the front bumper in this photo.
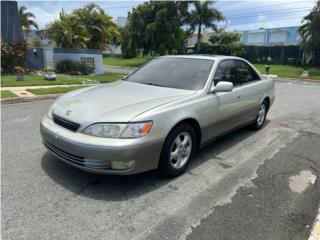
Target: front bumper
(80, 151)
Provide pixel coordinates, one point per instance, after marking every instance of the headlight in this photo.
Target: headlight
(115, 130)
(50, 113)
(105, 130)
(135, 130)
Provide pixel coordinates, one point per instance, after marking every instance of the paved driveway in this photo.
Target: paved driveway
(247, 185)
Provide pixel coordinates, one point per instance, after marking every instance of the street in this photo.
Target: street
(246, 185)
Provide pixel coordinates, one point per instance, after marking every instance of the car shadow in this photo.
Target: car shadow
(123, 188)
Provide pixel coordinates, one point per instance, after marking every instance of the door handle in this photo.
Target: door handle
(239, 97)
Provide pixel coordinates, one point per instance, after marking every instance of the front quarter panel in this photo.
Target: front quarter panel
(166, 117)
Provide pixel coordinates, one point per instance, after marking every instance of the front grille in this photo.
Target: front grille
(80, 161)
(65, 123)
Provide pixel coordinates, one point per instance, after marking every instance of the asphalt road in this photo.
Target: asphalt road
(247, 185)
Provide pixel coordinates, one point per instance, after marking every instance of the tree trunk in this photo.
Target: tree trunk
(199, 38)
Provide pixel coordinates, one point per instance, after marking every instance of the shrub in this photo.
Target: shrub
(13, 54)
(19, 70)
(74, 67)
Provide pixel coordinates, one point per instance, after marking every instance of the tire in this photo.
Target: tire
(179, 147)
(261, 118)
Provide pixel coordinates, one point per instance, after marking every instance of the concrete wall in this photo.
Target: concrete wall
(48, 57)
(76, 55)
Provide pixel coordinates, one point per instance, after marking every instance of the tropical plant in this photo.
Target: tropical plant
(26, 20)
(85, 27)
(310, 34)
(204, 15)
(102, 30)
(13, 54)
(68, 32)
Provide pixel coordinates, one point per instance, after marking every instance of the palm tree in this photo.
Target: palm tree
(67, 32)
(205, 15)
(87, 27)
(102, 29)
(26, 20)
(310, 35)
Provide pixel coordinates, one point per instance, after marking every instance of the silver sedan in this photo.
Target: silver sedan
(158, 116)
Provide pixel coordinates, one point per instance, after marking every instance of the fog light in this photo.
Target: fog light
(120, 165)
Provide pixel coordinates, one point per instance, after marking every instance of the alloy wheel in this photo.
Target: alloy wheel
(181, 150)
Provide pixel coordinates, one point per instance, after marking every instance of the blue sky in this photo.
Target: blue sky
(241, 15)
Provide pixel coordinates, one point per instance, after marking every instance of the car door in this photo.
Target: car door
(225, 106)
(250, 90)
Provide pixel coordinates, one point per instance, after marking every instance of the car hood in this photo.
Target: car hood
(119, 101)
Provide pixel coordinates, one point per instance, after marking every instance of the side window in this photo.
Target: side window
(226, 71)
(245, 72)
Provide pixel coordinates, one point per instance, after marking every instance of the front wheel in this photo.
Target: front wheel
(177, 151)
(261, 118)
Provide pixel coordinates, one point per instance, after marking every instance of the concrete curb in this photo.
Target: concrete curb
(315, 232)
(29, 99)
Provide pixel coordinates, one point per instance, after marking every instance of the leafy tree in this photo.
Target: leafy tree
(205, 15)
(26, 20)
(227, 43)
(155, 27)
(133, 34)
(310, 33)
(85, 27)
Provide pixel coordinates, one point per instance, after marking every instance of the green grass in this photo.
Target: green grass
(123, 62)
(53, 90)
(7, 94)
(290, 71)
(36, 80)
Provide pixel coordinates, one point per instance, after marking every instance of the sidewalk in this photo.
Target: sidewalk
(22, 91)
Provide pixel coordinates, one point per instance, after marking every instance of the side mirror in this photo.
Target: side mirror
(222, 87)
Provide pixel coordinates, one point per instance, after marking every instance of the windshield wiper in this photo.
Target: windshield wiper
(154, 84)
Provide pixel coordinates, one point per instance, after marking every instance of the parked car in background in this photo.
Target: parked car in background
(50, 76)
(158, 116)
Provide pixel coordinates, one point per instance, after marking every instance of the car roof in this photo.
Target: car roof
(203, 56)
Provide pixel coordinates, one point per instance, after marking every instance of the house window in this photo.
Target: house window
(278, 37)
(256, 37)
(88, 60)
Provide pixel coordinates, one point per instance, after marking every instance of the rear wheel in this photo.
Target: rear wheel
(177, 151)
(261, 118)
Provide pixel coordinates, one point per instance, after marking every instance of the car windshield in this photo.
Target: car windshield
(182, 73)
